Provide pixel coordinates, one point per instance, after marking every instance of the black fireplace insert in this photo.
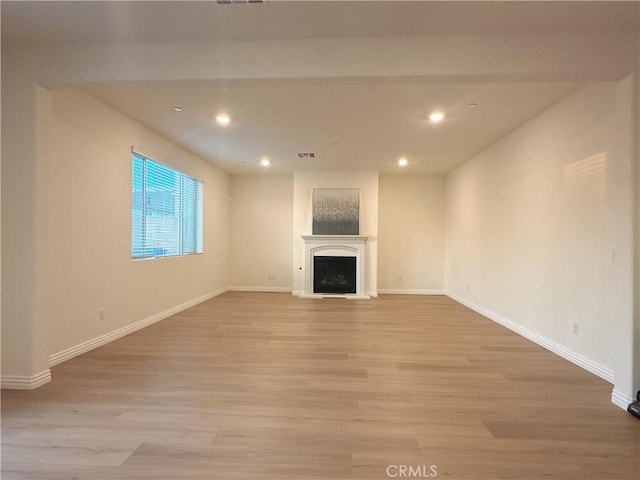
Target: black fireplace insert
(334, 275)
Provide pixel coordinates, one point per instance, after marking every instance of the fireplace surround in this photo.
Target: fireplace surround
(352, 246)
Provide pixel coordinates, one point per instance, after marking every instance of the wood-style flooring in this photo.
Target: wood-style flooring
(268, 386)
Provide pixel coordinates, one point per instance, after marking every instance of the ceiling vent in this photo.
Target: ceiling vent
(239, 2)
(306, 155)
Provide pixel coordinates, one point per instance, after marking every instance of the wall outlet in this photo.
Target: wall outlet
(576, 328)
(400, 279)
(101, 314)
(613, 255)
(271, 276)
(468, 288)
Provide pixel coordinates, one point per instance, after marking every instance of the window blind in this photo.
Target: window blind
(166, 211)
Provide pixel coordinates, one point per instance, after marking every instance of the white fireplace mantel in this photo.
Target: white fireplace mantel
(336, 246)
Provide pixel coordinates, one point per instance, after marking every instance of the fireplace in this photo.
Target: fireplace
(334, 274)
(334, 266)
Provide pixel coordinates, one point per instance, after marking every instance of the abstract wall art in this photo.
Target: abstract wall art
(336, 211)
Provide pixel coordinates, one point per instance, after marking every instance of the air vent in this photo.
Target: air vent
(306, 155)
(239, 2)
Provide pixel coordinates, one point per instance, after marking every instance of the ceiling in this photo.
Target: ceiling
(363, 124)
(51, 22)
(348, 126)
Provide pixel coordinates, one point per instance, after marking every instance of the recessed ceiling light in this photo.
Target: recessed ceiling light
(403, 162)
(436, 117)
(223, 119)
(265, 162)
(473, 105)
(177, 108)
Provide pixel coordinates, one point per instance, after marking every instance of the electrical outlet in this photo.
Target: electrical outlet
(613, 255)
(400, 279)
(101, 314)
(576, 328)
(271, 276)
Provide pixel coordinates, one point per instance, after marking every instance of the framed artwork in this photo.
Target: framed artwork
(336, 211)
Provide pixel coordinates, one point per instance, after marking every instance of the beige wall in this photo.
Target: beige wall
(89, 213)
(261, 222)
(303, 185)
(542, 243)
(411, 228)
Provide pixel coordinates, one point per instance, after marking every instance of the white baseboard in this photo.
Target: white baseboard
(620, 400)
(259, 289)
(84, 347)
(564, 352)
(409, 291)
(17, 382)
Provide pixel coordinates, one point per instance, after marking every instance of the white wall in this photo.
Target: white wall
(635, 132)
(261, 222)
(411, 229)
(303, 185)
(627, 349)
(26, 114)
(89, 213)
(530, 235)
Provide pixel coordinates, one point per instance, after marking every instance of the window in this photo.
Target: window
(166, 211)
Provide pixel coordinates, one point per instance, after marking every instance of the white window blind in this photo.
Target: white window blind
(166, 211)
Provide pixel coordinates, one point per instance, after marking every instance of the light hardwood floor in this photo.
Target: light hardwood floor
(269, 386)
